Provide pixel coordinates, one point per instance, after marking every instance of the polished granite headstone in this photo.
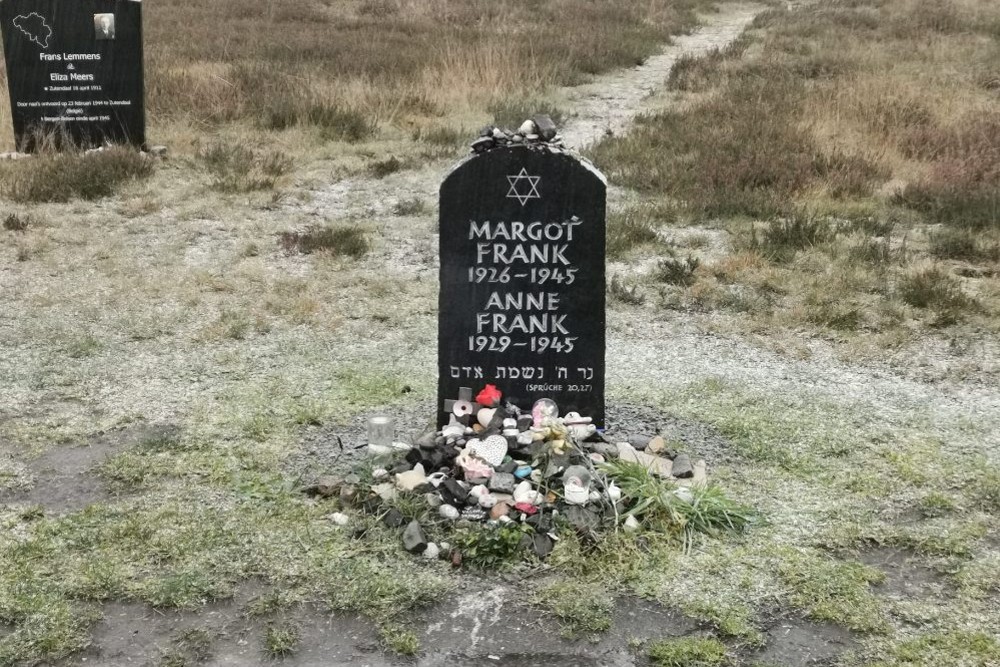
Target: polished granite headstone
(75, 70)
(522, 293)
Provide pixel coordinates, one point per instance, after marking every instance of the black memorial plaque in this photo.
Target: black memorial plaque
(74, 70)
(522, 293)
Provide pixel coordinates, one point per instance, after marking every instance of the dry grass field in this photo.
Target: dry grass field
(852, 158)
(804, 242)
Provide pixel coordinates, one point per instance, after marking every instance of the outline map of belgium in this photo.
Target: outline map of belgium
(34, 26)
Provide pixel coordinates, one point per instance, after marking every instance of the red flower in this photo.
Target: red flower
(489, 397)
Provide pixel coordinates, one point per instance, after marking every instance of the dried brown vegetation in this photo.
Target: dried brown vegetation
(59, 177)
(342, 66)
(844, 147)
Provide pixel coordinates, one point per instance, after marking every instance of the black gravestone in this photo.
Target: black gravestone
(74, 70)
(522, 293)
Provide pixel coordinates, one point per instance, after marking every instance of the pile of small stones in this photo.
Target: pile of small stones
(492, 465)
(536, 130)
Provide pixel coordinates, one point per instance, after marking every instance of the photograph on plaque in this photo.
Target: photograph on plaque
(104, 26)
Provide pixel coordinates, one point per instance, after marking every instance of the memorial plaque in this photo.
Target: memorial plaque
(522, 293)
(74, 70)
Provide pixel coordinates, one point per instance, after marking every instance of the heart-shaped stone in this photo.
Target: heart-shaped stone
(485, 416)
(492, 449)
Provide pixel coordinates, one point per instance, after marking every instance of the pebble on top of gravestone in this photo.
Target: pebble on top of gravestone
(74, 71)
(522, 295)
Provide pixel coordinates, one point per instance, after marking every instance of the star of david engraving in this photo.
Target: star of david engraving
(523, 187)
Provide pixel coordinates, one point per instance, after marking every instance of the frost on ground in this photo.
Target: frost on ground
(191, 316)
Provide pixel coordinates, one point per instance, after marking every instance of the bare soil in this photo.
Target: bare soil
(483, 626)
(63, 478)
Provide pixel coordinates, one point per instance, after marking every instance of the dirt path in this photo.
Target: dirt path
(610, 102)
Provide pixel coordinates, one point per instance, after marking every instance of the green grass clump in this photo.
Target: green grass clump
(582, 607)
(945, 648)
(985, 488)
(833, 590)
(281, 640)
(190, 647)
(399, 639)
(686, 512)
(337, 123)
(688, 652)
(60, 177)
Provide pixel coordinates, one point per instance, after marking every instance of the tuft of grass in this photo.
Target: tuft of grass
(238, 168)
(235, 324)
(619, 291)
(658, 505)
(337, 123)
(167, 440)
(935, 289)
(985, 488)
(677, 271)
(16, 223)
(271, 602)
(338, 241)
(581, 607)
(382, 168)
(936, 504)
(281, 640)
(60, 177)
(780, 239)
(693, 73)
(414, 206)
(282, 100)
(628, 230)
(687, 652)
(399, 639)
(190, 647)
(187, 590)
